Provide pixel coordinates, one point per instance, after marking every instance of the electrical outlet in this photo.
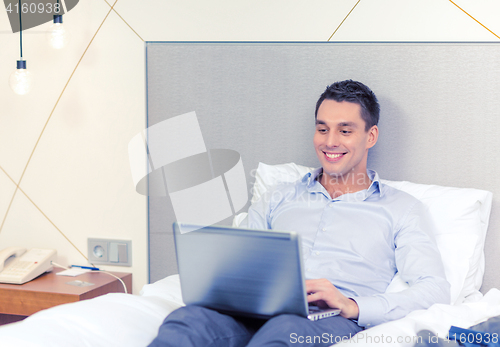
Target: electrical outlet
(110, 252)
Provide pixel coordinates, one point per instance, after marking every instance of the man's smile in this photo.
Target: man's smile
(333, 155)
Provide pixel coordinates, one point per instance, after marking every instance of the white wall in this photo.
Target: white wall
(64, 172)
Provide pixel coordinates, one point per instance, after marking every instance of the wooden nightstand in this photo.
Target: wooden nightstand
(48, 290)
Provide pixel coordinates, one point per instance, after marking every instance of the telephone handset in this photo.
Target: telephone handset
(18, 266)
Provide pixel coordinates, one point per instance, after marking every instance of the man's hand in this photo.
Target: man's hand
(324, 294)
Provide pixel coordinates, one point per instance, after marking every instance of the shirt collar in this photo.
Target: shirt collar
(310, 177)
(310, 180)
(376, 184)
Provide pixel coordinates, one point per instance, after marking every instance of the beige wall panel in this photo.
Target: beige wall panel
(80, 174)
(7, 188)
(27, 227)
(411, 20)
(277, 20)
(487, 12)
(22, 118)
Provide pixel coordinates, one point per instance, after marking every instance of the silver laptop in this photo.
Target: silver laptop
(245, 272)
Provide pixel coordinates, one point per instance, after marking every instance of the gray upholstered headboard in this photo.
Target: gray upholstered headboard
(440, 113)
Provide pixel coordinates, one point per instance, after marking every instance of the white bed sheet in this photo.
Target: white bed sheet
(133, 320)
(109, 320)
(438, 319)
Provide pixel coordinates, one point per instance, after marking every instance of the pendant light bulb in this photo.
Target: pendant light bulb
(57, 35)
(20, 80)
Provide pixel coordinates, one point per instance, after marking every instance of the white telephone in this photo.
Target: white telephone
(18, 266)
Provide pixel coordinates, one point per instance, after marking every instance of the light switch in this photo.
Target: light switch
(122, 253)
(113, 252)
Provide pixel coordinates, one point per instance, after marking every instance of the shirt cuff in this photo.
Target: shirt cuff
(371, 309)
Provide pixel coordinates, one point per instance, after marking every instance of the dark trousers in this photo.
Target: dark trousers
(202, 327)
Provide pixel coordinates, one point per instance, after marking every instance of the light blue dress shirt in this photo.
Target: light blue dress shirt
(358, 241)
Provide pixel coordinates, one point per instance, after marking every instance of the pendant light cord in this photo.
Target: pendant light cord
(20, 30)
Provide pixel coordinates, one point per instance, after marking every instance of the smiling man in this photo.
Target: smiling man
(356, 234)
(342, 140)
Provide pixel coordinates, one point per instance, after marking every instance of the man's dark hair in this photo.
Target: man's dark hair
(355, 92)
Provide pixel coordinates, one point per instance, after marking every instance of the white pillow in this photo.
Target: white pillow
(268, 176)
(461, 216)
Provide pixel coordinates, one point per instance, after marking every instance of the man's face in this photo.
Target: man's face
(341, 141)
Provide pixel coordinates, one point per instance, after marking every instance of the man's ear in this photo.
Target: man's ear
(372, 137)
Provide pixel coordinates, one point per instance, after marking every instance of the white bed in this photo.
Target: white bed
(133, 320)
(461, 216)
